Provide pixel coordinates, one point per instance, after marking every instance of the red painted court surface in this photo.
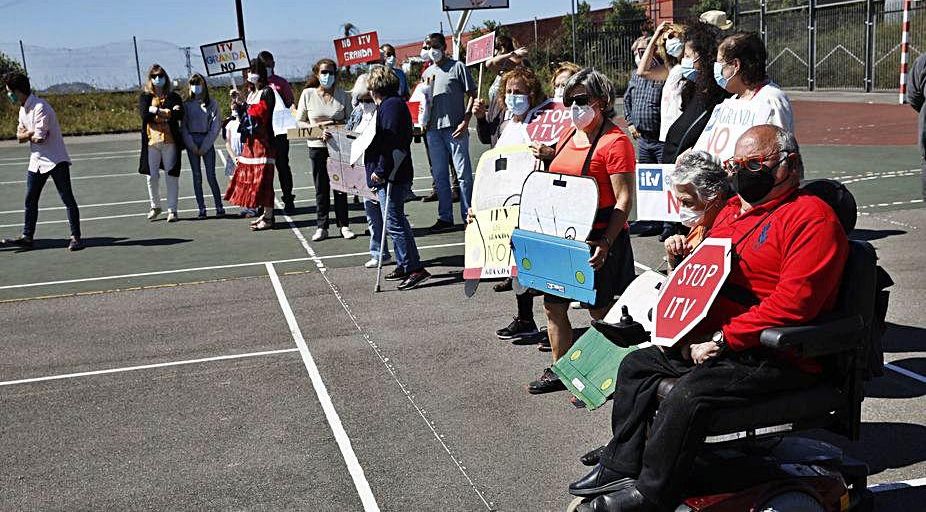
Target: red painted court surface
(854, 124)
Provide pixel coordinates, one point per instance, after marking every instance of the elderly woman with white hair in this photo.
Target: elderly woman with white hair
(702, 188)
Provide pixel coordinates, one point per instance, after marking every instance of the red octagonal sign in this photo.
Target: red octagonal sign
(690, 291)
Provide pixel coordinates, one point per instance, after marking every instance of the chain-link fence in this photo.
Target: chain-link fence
(113, 66)
(826, 45)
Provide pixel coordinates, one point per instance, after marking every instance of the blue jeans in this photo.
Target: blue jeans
(398, 228)
(375, 223)
(442, 148)
(35, 182)
(649, 151)
(209, 160)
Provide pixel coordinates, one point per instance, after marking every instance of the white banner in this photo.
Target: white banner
(225, 57)
(655, 200)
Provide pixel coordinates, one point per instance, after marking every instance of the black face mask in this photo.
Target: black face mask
(754, 185)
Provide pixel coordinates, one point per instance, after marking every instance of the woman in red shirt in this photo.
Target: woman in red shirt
(596, 147)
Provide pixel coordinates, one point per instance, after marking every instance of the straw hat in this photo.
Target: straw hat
(717, 18)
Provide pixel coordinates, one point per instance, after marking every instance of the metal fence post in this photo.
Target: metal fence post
(763, 29)
(137, 63)
(811, 44)
(869, 46)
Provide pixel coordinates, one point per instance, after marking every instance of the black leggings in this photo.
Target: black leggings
(318, 160)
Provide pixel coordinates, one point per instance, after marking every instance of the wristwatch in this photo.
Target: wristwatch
(720, 341)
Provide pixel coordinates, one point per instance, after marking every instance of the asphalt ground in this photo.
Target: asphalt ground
(168, 366)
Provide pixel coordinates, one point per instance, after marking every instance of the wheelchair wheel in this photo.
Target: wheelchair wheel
(792, 501)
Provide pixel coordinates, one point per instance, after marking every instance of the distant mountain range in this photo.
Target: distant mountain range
(112, 66)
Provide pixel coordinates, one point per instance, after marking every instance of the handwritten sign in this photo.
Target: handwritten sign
(547, 122)
(480, 49)
(225, 57)
(655, 199)
(488, 244)
(358, 49)
(728, 122)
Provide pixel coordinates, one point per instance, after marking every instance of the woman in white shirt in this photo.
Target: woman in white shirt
(740, 69)
(325, 105)
(200, 128)
(666, 44)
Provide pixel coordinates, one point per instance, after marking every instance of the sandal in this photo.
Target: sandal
(262, 225)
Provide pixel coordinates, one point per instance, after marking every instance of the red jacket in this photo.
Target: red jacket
(791, 255)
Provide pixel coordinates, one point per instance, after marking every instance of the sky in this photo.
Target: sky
(82, 23)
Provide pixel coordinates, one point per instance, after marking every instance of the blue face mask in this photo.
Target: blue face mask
(326, 80)
(517, 104)
(718, 75)
(675, 47)
(688, 70)
(158, 81)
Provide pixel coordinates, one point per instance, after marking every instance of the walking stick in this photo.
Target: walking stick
(382, 238)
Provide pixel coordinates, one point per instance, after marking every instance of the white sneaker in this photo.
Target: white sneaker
(153, 213)
(347, 233)
(374, 262)
(320, 234)
(172, 216)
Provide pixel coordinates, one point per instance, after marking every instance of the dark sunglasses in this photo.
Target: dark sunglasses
(159, 75)
(579, 99)
(752, 163)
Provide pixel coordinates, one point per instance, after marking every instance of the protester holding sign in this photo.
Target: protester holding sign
(200, 128)
(599, 149)
(280, 140)
(452, 91)
(161, 111)
(700, 92)
(790, 251)
(702, 188)
(252, 184)
(660, 62)
(740, 69)
(388, 162)
(506, 58)
(325, 105)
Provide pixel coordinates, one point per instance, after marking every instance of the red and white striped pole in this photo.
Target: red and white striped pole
(904, 50)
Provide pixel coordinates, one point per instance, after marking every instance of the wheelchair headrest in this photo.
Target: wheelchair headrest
(838, 197)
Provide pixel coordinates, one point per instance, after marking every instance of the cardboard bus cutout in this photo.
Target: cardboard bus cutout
(343, 175)
(655, 199)
(500, 176)
(589, 368)
(556, 216)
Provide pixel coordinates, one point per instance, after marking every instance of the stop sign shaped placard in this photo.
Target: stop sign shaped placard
(690, 291)
(547, 122)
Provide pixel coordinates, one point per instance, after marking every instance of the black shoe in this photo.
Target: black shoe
(441, 226)
(517, 330)
(544, 344)
(599, 481)
(505, 286)
(396, 275)
(289, 205)
(75, 244)
(23, 242)
(547, 383)
(414, 279)
(624, 500)
(455, 195)
(591, 458)
(430, 198)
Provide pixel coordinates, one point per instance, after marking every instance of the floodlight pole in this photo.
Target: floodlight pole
(240, 13)
(137, 62)
(22, 52)
(458, 30)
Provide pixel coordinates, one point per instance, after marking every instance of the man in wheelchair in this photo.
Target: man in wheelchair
(789, 253)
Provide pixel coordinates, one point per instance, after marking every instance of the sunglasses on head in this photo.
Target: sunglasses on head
(579, 99)
(753, 163)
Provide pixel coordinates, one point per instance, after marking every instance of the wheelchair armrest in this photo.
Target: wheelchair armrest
(822, 338)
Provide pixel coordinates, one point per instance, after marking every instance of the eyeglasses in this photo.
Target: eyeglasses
(755, 163)
(579, 99)
(325, 72)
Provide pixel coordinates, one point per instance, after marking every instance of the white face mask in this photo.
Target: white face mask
(582, 116)
(675, 47)
(517, 104)
(637, 59)
(690, 218)
(196, 90)
(390, 61)
(558, 92)
(326, 80)
(253, 77)
(435, 54)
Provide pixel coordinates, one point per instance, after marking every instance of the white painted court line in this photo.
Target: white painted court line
(75, 156)
(383, 359)
(340, 435)
(905, 372)
(147, 366)
(896, 486)
(893, 203)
